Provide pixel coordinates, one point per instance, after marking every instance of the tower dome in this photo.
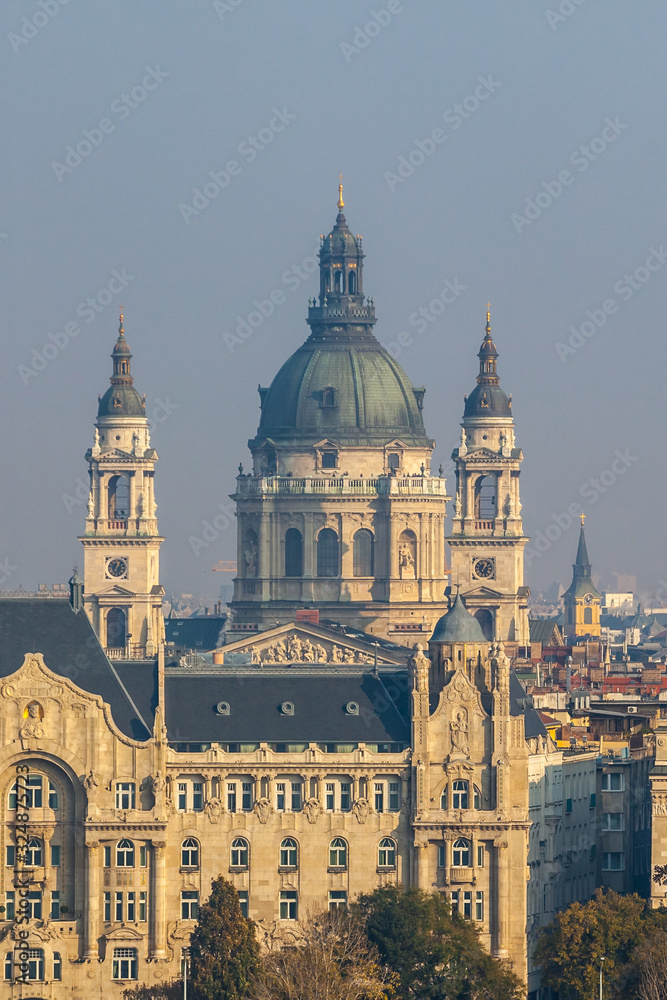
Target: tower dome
(121, 398)
(341, 382)
(487, 398)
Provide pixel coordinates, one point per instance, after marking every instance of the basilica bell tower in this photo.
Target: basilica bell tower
(122, 592)
(487, 539)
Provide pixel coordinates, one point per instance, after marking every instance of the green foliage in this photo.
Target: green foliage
(570, 948)
(434, 954)
(161, 991)
(224, 954)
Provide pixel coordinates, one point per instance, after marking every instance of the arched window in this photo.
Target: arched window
(293, 552)
(588, 616)
(486, 498)
(326, 280)
(338, 853)
(443, 798)
(362, 553)
(327, 553)
(328, 397)
(119, 498)
(33, 853)
(289, 853)
(125, 854)
(485, 619)
(338, 282)
(239, 853)
(352, 283)
(27, 793)
(460, 795)
(116, 628)
(271, 463)
(387, 853)
(190, 853)
(461, 854)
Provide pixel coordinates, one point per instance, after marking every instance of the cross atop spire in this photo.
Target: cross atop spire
(341, 203)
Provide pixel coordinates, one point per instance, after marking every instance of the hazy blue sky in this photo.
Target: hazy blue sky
(581, 92)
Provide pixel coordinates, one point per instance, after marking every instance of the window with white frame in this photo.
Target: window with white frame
(387, 795)
(443, 798)
(289, 853)
(55, 905)
(189, 905)
(124, 964)
(480, 855)
(442, 856)
(55, 855)
(289, 795)
(10, 904)
(239, 853)
(142, 907)
(32, 857)
(190, 853)
(613, 781)
(337, 899)
(107, 907)
(243, 902)
(125, 854)
(27, 792)
(190, 795)
(338, 853)
(460, 794)
(387, 853)
(8, 966)
(57, 967)
(479, 906)
(35, 967)
(467, 905)
(461, 853)
(239, 796)
(613, 821)
(337, 795)
(288, 905)
(126, 794)
(454, 897)
(32, 905)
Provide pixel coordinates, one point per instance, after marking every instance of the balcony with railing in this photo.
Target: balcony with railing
(131, 651)
(321, 485)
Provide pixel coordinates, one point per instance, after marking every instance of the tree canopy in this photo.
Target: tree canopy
(224, 953)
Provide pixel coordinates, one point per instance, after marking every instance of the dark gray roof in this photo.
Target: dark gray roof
(70, 649)
(458, 625)
(521, 704)
(201, 632)
(542, 629)
(319, 700)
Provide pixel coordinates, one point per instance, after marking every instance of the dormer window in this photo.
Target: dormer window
(328, 398)
(329, 459)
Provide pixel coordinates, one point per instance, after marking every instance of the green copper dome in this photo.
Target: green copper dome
(121, 398)
(487, 398)
(342, 383)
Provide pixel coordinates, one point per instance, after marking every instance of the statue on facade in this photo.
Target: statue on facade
(419, 666)
(312, 809)
(361, 810)
(458, 728)
(32, 728)
(214, 809)
(250, 558)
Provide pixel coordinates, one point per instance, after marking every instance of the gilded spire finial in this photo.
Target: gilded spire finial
(583, 518)
(341, 203)
(488, 317)
(121, 331)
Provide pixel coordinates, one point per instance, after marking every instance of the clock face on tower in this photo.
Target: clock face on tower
(484, 569)
(588, 598)
(117, 567)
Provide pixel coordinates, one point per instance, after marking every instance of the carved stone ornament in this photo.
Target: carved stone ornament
(214, 809)
(312, 809)
(361, 810)
(419, 668)
(263, 810)
(31, 729)
(158, 783)
(659, 805)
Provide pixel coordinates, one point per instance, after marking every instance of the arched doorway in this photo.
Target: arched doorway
(116, 628)
(485, 619)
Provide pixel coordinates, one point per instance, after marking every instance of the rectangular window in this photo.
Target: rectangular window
(613, 862)
(8, 965)
(345, 796)
(231, 797)
(592, 800)
(296, 796)
(107, 907)
(29, 793)
(330, 798)
(53, 796)
(613, 821)
(125, 794)
(124, 964)
(142, 907)
(55, 905)
(455, 902)
(143, 856)
(337, 898)
(288, 906)
(35, 965)
(568, 805)
(11, 855)
(479, 906)
(57, 967)
(131, 916)
(379, 798)
(197, 796)
(33, 906)
(182, 796)
(119, 908)
(467, 905)
(189, 905)
(394, 796)
(441, 856)
(247, 796)
(480, 855)
(243, 902)
(10, 905)
(280, 796)
(614, 781)
(55, 855)
(107, 857)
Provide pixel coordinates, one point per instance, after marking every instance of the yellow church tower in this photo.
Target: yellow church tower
(582, 600)
(122, 592)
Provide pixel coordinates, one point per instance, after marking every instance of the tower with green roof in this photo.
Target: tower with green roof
(582, 599)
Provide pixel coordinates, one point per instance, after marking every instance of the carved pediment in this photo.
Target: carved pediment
(124, 933)
(116, 591)
(300, 644)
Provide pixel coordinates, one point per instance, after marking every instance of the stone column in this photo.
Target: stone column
(421, 873)
(158, 914)
(501, 949)
(91, 902)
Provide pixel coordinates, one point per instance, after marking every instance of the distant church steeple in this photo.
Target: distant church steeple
(582, 600)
